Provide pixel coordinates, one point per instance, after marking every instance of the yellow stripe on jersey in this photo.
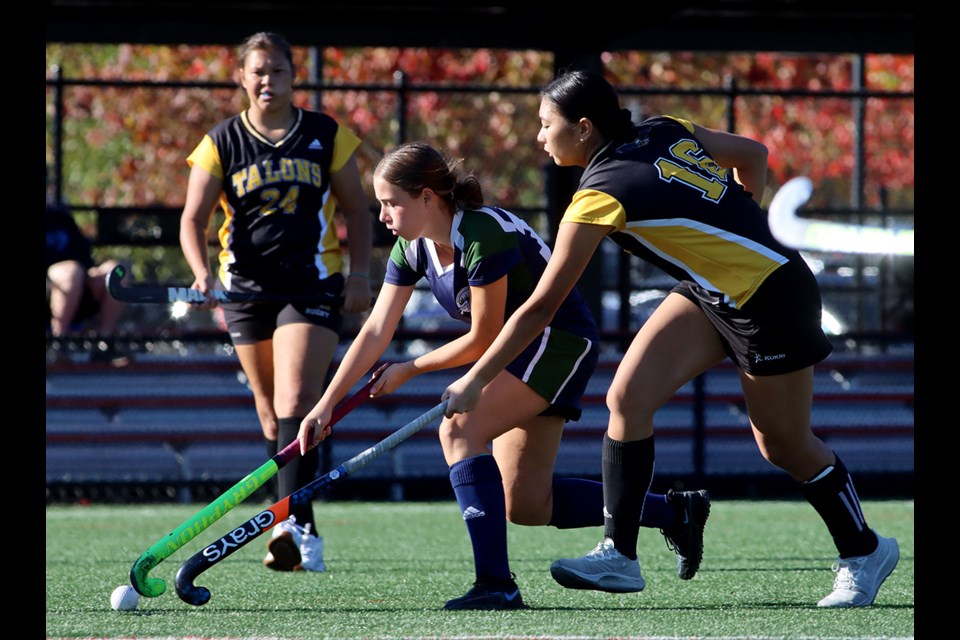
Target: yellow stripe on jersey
(595, 207)
(716, 259)
(686, 123)
(737, 265)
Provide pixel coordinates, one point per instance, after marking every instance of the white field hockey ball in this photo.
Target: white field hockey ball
(124, 598)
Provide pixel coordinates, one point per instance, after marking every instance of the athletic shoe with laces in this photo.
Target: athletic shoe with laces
(603, 569)
(283, 549)
(489, 594)
(311, 552)
(686, 537)
(858, 579)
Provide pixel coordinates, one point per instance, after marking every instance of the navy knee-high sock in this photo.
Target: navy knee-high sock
(579, 503)
(832, 494)
(627, 474)
(478, 486)
(299, 471)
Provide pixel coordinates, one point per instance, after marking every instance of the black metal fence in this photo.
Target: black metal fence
(866, 293)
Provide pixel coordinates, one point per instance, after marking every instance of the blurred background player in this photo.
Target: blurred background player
(78, 300)
(280, 173)
(481, 263)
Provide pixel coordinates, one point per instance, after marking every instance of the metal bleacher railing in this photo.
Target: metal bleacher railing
(182, 426)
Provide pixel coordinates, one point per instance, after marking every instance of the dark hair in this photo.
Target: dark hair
(416, 166)
(262, 41)
(580, 94)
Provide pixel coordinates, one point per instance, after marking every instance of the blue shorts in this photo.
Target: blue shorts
(558, 365)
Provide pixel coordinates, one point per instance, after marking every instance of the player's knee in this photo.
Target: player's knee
(526, 513)
(527, 500)
(782, 453)
(632, 407)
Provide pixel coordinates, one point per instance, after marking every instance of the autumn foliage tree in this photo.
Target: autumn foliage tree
(125, 145)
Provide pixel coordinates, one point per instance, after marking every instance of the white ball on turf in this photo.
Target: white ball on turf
(124, 598)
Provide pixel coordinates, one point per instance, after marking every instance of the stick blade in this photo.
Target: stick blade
(805, 234)
(114, 278)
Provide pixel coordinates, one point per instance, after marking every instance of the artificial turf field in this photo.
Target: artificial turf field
(392, 565)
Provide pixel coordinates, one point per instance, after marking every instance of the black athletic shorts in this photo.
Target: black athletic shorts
(778, 330)
(253, 322)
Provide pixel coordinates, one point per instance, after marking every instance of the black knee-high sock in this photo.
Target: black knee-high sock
(271, 485)
(832, 494)
(298, 472)
(627, 475)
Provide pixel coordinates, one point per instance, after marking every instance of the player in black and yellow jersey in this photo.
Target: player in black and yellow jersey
(280, 173)
(686, 198)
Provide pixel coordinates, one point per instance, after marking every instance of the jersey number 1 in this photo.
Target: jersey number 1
(692, 167)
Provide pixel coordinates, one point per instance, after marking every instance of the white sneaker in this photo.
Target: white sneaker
(858, 579)
(311, 552)
(283, 549)
(603, 569)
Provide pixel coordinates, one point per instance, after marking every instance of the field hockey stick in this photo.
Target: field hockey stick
(166, 546)
(149, 293)
(821, 235)
(280, 511)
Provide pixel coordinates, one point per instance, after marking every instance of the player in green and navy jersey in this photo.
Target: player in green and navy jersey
(481, 264)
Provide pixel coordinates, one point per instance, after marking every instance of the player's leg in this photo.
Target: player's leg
(302, 355)
(676, 344)
(479, 486)
(780, 408)
(251, 329)
(256, 360)
(526, 456)
(66, 290)
(109, 308)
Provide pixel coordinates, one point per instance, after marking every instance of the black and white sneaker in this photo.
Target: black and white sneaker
(489, 594)
(685, 538)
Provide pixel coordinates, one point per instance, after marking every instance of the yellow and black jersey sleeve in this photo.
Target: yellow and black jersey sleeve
(595, 207)
(207, 157)
(344, 145)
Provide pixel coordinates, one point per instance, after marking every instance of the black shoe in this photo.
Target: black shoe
(685, 538)
(489, 594)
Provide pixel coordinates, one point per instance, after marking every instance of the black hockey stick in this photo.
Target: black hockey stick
(152, 587)
(153, 293)
(280, 511)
